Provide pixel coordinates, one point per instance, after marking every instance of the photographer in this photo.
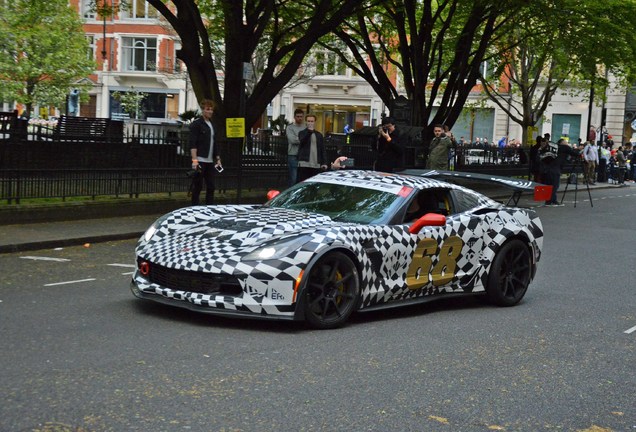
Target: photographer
(438, 149)
(552, 157)
(390, 151)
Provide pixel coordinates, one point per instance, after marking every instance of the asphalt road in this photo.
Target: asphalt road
(80, 353)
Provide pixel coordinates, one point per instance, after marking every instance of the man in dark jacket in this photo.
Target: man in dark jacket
(205, 157)
(552, 157)
(390, 152)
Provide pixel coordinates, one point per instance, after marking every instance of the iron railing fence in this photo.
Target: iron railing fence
(37, 165)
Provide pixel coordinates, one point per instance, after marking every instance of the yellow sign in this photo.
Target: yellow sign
(235, 127)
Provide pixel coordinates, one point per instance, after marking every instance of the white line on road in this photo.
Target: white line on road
(70, 282)
(42, 258)
(631, 330)
(128, 273)
(122, 265)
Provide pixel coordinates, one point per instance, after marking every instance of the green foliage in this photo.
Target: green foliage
(559, 42)
(43, 51)
(189, 115)
(130, 101)
(436, 47)
(279, 124)
(219, 36)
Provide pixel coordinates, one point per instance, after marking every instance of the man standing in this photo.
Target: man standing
(292, 132)
(553, 156)
(205, 158)
(390, 152)
(312, 158)
(590, 158)
(438, 149)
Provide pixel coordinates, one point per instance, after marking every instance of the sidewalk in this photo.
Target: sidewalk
(45, 235)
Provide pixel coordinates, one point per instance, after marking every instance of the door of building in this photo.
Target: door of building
(566, 126)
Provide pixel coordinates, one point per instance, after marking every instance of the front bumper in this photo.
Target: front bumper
(243, 306)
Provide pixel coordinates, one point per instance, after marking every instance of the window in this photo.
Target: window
(88, 11)
(328, 63)
(139, 54)
(139, 9)
(465, 201)
(90, 54)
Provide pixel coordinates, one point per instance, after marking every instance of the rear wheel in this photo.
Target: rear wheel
(510, 274)
(332, 291)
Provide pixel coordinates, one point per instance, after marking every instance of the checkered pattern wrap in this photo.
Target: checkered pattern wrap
(216, 239)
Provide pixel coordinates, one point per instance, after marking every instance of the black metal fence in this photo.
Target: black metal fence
(36, 163)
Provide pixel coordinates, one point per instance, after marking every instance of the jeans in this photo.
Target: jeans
(552, 178)
(206, 175)
(292, 170)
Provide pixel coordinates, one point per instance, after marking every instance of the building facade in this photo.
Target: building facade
(135, 51)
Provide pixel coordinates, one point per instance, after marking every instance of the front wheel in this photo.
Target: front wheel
(510, 274)
(332, 291)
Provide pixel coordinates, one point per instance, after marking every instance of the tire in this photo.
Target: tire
(332, 291)
(510, 274)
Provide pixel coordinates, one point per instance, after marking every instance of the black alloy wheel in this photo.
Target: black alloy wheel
(510, 274)
(332, 291)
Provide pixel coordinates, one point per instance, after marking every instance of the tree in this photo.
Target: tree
(564, 41)
(220, 36)
(435, 47)
(43, 51)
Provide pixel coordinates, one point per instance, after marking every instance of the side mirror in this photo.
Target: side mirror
(272, 194)
(429, 219)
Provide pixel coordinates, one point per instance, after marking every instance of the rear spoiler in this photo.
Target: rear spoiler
(540, 191)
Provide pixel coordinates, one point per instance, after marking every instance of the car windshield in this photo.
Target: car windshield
(341, 201)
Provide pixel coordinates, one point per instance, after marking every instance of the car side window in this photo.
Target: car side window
(464, 201)
(429, 201)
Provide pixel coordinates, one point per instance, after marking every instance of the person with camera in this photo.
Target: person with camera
(552, 157)
(312, 158)
(390, 153)
(205, 158)
(438, 150)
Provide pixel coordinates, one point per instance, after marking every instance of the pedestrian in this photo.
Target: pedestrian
(438, 149)
(591, 134)
(621, 161)
(590, 160)
(205, 157)
(312, 158)
(389, 147)
(603, 163)
(291, 132)
(553, 156)
(629, 156)
(534, 162)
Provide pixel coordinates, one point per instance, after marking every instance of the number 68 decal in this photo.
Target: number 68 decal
(421, 268)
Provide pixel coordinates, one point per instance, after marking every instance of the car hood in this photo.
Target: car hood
(256, 226)
(204, 244)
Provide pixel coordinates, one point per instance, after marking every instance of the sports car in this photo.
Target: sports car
(337, 243)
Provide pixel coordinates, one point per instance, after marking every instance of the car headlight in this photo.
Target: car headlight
(276, 249)
(150, 232)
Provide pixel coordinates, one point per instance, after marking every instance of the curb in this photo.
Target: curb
(50, 244)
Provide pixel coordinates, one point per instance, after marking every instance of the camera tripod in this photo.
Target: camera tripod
(574, 170)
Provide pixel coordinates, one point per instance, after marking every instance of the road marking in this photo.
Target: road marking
(631, 330)
(70, 282)
(128, 273)
(41, 258)
(122, 265)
